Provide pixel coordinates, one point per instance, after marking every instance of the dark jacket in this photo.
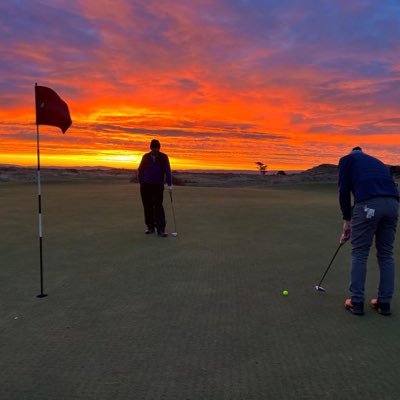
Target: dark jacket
(155, 170)
(364, 176)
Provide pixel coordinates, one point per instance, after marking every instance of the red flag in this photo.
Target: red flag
(51, 109)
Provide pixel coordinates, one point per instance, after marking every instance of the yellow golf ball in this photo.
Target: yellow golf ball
(285, 292)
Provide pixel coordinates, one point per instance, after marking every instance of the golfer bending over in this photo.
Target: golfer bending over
(153, 170)
(375, 213)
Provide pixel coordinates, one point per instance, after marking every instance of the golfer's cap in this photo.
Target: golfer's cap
(155, 144)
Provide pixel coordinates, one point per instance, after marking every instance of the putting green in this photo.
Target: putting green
(197, 316)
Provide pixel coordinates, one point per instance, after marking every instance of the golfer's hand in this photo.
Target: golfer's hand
(170, 188)
(346, 232)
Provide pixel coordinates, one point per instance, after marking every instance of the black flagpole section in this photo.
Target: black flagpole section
(40, 211)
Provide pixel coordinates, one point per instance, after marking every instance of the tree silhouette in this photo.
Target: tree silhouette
(262, 168)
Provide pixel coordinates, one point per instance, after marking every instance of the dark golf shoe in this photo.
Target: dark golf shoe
(354, 308)
(162, 234)
(381, 308)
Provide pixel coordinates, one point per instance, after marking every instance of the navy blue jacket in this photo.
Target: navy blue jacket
(364, 176)
(154, 170)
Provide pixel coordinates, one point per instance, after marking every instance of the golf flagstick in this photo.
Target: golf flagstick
(40, 214)
(50, 110)
(175, 233)
(318, 287)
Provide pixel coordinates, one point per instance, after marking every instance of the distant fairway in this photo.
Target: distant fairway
(200, 316)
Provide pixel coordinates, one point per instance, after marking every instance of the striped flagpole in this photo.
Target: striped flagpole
(40, 215)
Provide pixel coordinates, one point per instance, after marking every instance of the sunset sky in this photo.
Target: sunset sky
(221, 83)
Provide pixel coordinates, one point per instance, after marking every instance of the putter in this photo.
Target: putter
(174, 233)
(318, 287)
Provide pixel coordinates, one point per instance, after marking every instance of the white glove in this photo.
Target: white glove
(346, 232)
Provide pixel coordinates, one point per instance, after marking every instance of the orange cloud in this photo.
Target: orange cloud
(221, 84)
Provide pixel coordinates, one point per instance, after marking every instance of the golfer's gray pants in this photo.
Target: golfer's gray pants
(375, 217)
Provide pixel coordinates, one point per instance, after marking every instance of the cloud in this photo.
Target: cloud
(178, 133)
(254, 71)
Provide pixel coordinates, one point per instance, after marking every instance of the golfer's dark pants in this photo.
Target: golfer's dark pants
(152, 198)
(375, 217)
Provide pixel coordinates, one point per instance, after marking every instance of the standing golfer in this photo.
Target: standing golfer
(153, 170)
(375, 213)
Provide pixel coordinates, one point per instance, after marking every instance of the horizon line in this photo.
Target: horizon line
(172, 169)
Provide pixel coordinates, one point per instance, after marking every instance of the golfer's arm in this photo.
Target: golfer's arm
(168, 172)
(345, 189)
(140, 168)
(345, 205)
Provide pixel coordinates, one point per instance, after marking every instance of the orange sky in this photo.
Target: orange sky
(221, 84)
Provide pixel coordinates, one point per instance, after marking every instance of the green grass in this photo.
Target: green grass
(199, 316)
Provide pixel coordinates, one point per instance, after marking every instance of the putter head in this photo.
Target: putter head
(174, 234)
(320, 289)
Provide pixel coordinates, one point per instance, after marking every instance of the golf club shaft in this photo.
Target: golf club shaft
(173, 211)
(334, 256)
